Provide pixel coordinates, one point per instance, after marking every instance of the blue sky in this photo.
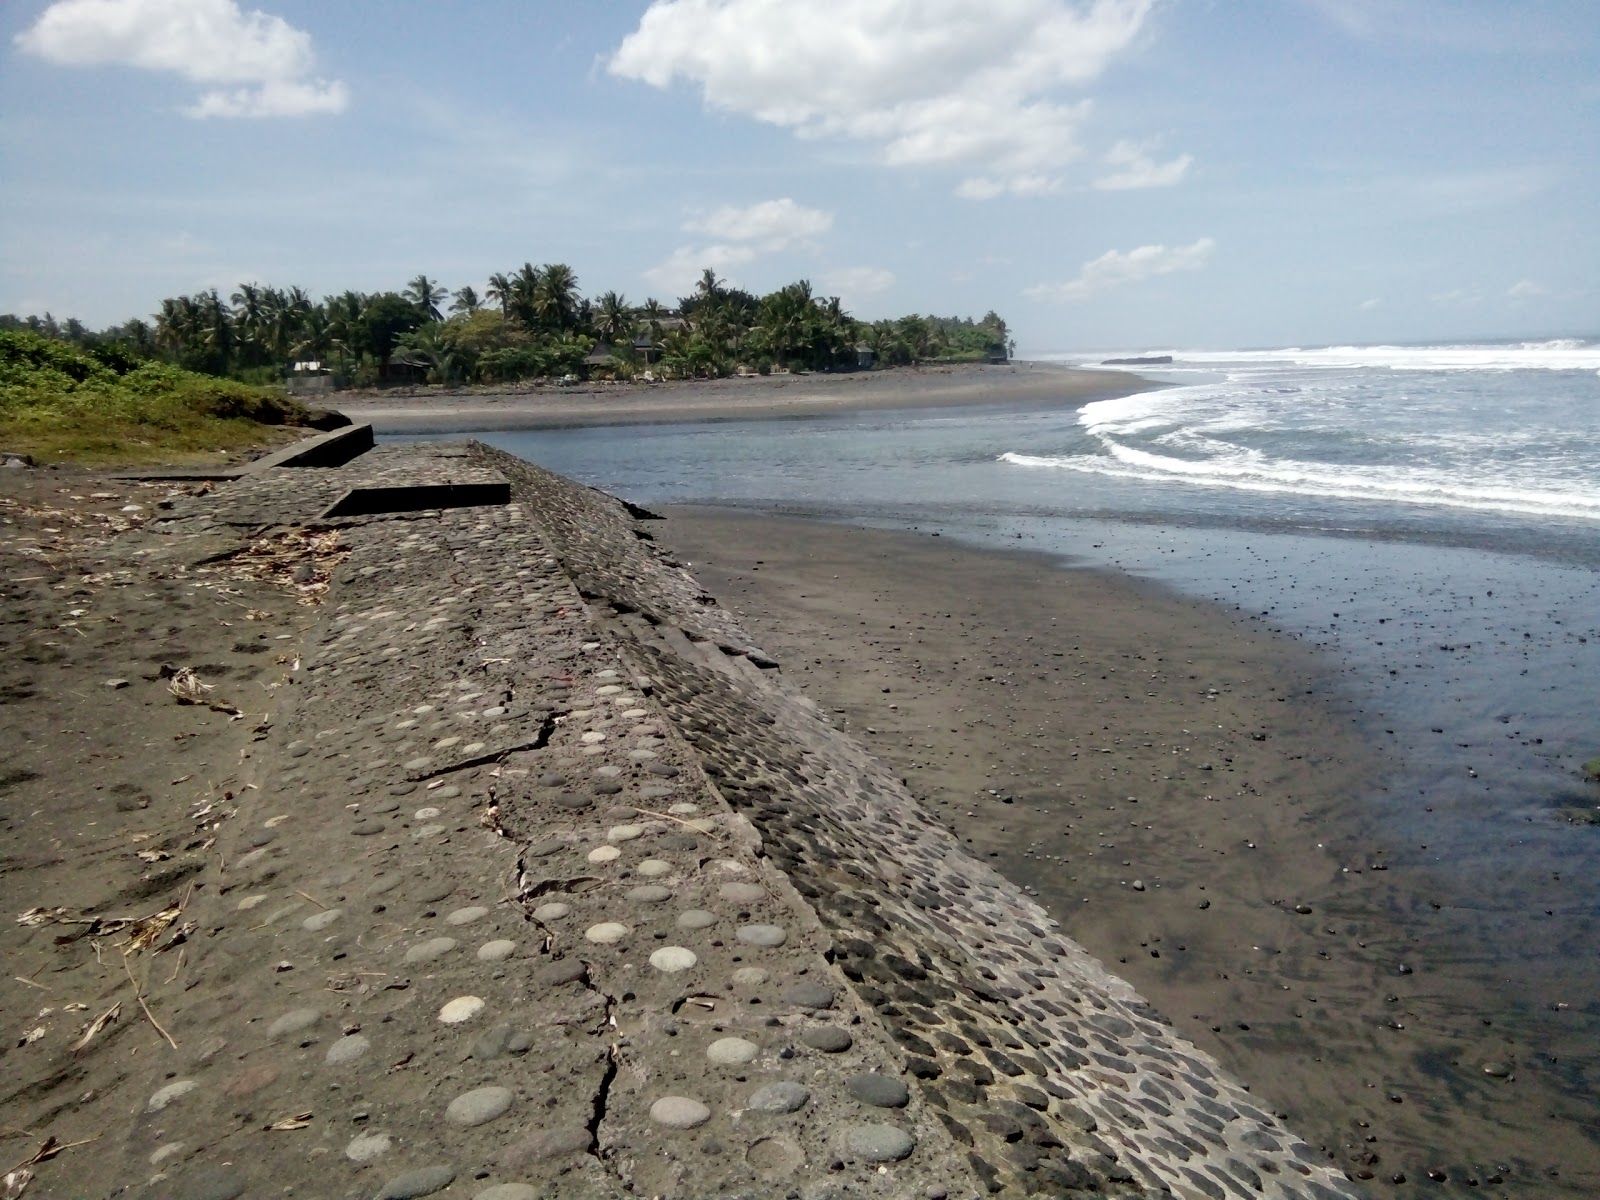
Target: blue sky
(1104, 173)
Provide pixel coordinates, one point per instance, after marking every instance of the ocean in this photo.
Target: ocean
(1427, 517)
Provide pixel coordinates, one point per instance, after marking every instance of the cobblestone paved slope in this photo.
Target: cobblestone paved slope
(549, 887)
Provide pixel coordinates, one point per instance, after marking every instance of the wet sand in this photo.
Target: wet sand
(1179, 790)
(771, 397)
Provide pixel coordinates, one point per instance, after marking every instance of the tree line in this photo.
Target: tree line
(529, 323)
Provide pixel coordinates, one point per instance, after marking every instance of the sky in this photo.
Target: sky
(1117, 174)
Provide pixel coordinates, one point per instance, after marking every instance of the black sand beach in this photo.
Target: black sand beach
(1179, 790)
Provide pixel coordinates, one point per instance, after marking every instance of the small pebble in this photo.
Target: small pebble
(461, 1009)
(672, 959)
(731, 1051)
(679, 1112)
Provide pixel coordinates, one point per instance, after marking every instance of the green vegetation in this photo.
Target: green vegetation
(530, 323)
(106, 405)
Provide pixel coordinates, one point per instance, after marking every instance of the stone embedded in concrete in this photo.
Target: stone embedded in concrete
(497, 950)
(830, 1039)
(365, 1147)
(649, 894)
(479, 1106)
(173, 1091)
(878, 1143)
(431, 949)
(606, 933)
(466, 916)
(731, 1051)
(294, 1021)
(460, 1010)
(696, 918)
(880, 1091)
(762, 935)
(424, 1181)
(679, 1112)
(672, 959)
(808, 994)
(551, 912)
(347, 1049)
(742, 893)
(779, 1098)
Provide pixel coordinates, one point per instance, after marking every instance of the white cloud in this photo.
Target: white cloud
(772, 224)
(1116, 269)
(1370, 304)
(933, 83)
(854, 284)
(1134, 168)
(261, 65)
(1525, 289)
(743, 235)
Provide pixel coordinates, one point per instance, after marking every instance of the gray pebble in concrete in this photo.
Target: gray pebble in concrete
(808, 994)
(466, 916)
(654, 791)
(650, 893)
(293, 1022)
(546, 1143)
(696, 918)
(347, 1049)
(779, 1098)
(878, 1143)
(830, 1039)
(317, 922)
(367, 1146)
(497, 950)
(880, 1091)
(731, 1051)
(679, 1112)
(479, 1106)
(168, 1094)
(424, 1181)
(566, 971)
(435, 892)
(742, 893)
(762, 935)
(431, 949)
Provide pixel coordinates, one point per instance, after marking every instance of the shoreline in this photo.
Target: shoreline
(774, 397)
(1241, 894)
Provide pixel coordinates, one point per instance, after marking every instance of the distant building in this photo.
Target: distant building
(866, 357)
(310, 376)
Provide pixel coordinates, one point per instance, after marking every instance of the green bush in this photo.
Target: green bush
(60, 402)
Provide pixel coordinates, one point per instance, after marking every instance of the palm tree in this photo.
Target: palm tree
(710, 288)
(465, 300)
(613, 319)
(555, 298)
(251, 318)
(524, 292)
(426, 295)
(500, 291)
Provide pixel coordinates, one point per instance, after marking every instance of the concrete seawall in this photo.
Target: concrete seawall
(547, 885)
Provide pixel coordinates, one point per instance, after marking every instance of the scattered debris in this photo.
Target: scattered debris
(94, 1027)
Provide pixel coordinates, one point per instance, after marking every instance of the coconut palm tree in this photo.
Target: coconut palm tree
(427, 295)
(555, 298)
(465, 300)
(613, 318)
(500, 291)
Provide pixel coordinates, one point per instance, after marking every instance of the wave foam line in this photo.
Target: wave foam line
(1149, 468)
